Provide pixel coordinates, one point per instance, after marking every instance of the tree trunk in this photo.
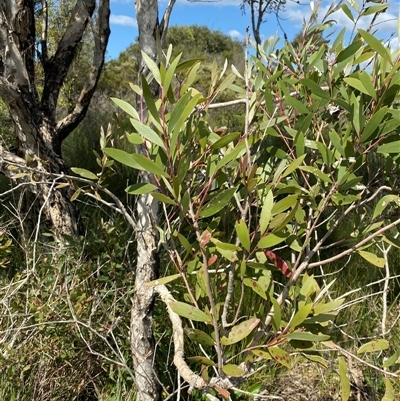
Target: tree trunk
(142, 340)
(38, 133)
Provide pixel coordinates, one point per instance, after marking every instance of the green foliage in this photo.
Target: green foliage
(229, 201)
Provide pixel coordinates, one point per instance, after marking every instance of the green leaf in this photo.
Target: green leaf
(163, 280)
(125, 106)
(163, 198)
(377, 45)
(317, 359)
(201, 359)
(373, 124)
(395, 358)
(328, 307)
(356, 83)
(217, 203)
(347, 11)
(148, 165)
(390, 147)
(255, 286)
(199, 337)
(122, 157)
(233, 370)
(190, 312)
(233, 154)
(349, 51)
(378, 8)
(284, 204)
(243, 234)
(374, 346)
(135, 138)
(293, 165)
(300, 316)
(372, 258)
(266, 210)
(389, 391)
(140, 189)
(152, 67)
(277, 315)
(240, 331)
(84, 173)
(271, 240)
(147, 133)
(280, 356)
(306, 336)
(383, 203)
(315, 88)
(344, 379)
(317, 172)
(225, 140)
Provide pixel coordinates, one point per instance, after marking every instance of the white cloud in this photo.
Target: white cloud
(124, 20)
(234, 34)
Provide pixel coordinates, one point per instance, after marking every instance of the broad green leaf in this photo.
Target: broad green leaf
(336, 142)
(306, 336)
(190, 312)
(187, 64)
(266, 210)
(217, 203)
(284, 204)
(135, 138)
(293, 165)
(314, 88)
(233, 154)
(240, 331)
(390, 147)
(140, 189)
(163, 280)
(125, 106)
(377, 45)
(276, 317)
(147, 133)
(389, 391)
(328, 307)
(344, 379)
(199, 337)
(123, 157)
(356, 83)
(300, 316)
(148, 165)
(317, 172)
(84, 173)
(395, 358)
(374, 346)
(349, 51)
(255, 286)
(367, 83)
(383, 203)
(150, 104)
(270, 240)
(317, 359)
(178, 111)
(243, 234)
(347, 11)
(152, 67)
(297, 105)
(378, 8)
(170, 73)
(372, 258)
(233, 370)
(163, 198)
(225, 140)
(201, 359)
(280, 356)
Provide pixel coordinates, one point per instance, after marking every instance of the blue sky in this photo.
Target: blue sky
(226, 16)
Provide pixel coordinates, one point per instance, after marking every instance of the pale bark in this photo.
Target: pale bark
(39, 134)
(142, 340)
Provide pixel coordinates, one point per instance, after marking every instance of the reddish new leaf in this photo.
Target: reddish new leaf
(279, 263)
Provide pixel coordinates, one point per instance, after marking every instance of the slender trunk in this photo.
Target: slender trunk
(142, 340)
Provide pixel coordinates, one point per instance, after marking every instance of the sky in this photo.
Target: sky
(226, 16)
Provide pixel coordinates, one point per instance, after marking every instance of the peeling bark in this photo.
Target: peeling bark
(39, 134)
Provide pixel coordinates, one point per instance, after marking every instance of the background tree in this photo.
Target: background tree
(34, 103)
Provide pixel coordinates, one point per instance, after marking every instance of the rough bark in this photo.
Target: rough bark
(39, 135)
(142, 340)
